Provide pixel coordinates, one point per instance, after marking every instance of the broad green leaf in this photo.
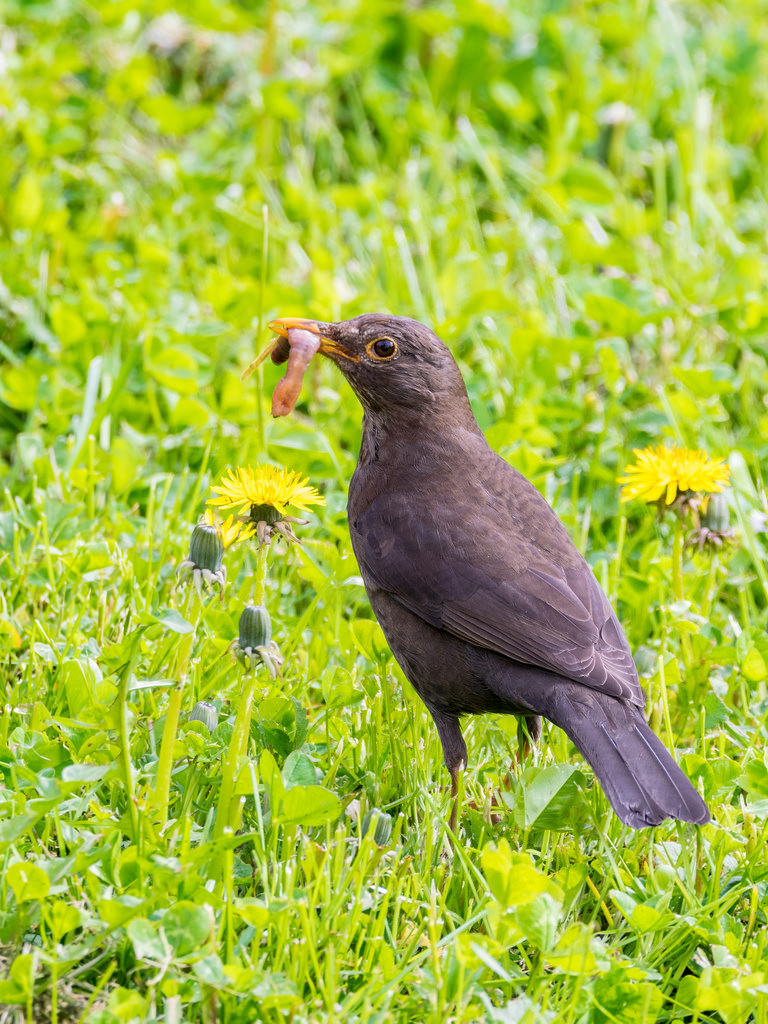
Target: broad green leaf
(574, 952)
(627, 1002)
(79, 677)
(539, 920)
(339, 689)
(253, 911)
(550, 797)
(298, 770)
(149, 942)
(512, 878)
(86, 772)
(171, 620)
(309, 805)
(188, 927)
(370, 640)
(28, 881)
(61, 918)
(210, 971)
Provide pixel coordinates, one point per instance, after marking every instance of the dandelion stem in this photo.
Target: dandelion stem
(171, 727)
(228, 810)
(165, 761)
(241, 734)
(677, 559)
(259, 391)
(124, 730)
(710, 588)
(261, 574)
(678, 547)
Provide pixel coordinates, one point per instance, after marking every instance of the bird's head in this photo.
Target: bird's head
(393, 363)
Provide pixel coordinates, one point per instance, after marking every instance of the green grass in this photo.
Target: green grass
(574, 196)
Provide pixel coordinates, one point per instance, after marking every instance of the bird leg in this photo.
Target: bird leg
(454, 755)
(528, 735)
(455, 775)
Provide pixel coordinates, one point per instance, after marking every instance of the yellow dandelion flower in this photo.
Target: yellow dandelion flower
(664, 472)
(266, 487)
(231, 529)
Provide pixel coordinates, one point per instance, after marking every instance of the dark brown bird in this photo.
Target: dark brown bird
(484, 600)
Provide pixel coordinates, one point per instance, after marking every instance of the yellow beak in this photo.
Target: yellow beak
(327, 346)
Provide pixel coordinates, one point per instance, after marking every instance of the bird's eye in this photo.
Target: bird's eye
(382, 348)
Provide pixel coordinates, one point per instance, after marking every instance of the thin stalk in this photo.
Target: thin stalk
(678, 547)
(259, 390)
(260, 582)
(165, 761)
(228, 808)
(677, 559)
(710, 588)
(226, 811)
(171, 728)
(125, 737)
(665, 704)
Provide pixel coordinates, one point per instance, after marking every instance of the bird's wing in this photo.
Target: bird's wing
(518, 588)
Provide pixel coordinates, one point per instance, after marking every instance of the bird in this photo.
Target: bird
(484, 600)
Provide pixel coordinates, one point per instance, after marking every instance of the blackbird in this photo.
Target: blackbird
(483, 598)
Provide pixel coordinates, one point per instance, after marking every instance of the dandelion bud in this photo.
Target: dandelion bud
(206, 549)
(206, 713)
(255, 626)
(716, 518)
(254, 645)
(714, 531)
(203, 563)
(379, 824)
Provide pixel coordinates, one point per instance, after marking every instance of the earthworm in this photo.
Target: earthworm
(303, 345)
(281, 350)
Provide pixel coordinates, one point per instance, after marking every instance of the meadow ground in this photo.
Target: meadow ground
(574, 196)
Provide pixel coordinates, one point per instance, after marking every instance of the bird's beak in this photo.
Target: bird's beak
(328, 347)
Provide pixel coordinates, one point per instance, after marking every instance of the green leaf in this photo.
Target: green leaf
(309, 805)
(253, 912)
(27, 200)
(589, 181)
(550, 798)
(170, 619)
(270, 775)
(339, 689)
(753, 666)
(18, 387)
(539, 920)
(148, 941)
(188, 927)
(177, 371)
(370, 640)
(210, 971)
(61, 918)
(276, 991)
(512, 878)
(79, 677)
(575, 951)
(23, 971)
(127, 1005)
(755, 778)
(627, 1002)
(86, 772)
(11, 994)
(117, 911)
(298, 770)
(28, 881)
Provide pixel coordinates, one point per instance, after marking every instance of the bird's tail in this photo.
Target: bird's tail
(637, 772)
